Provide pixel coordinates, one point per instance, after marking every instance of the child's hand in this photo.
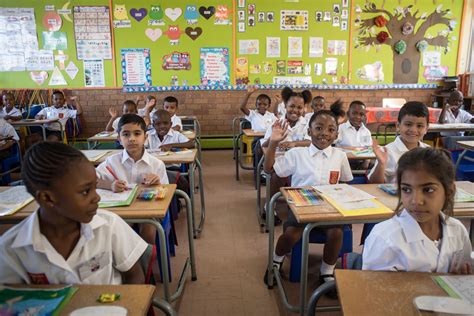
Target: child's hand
(278, 99)
(166, 147)
(74, 98)
(380, 152)
(150, 104)
(279, 132)
(150, 179)
(139, 98)
(119, 186)
(464, 268)
(113, 112)
(251, 89)
(40, 117)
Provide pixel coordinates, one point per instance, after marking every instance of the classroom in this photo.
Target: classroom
(236, 157)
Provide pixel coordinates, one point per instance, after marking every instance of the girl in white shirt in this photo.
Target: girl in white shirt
(422, 236)
(260, 118)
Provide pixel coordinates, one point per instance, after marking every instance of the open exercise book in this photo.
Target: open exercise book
(462, 196)
(361, 152)
(350, 201)
(17, 301)
(111, 199)
(458, 286)
(13, 199)
(94, 155)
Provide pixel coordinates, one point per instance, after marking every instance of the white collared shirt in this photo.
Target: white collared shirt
(307, 116)
(260, 122)
(13, 112)
(312, 166)
(7, 130)
(395, 150)
(125, 168)
(463, 117)
(281, 110)
(298, 132)
(106, 247)
(115, 124)
(176, 121)
(172, 137)
(62, 114)
(400, 244)
(351, 137)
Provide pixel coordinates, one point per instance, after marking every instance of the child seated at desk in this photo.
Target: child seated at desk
(60, 111)
(170, 104)
(318, 164)
(412, 125)
(354, 134)
(452, 113)
(128, 107)
(8, 136)
(133, 165)
(260, 118)
(162, 137)
(8, 111)
(422, 236)
(316, 105)
(67, 240)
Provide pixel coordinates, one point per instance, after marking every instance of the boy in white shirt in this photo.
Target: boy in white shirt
(59, 111)
(8, 136)
(68, 240)
(453, 113)
(260, 118)
(316, 105)
(134, 165)
(318, 164)
(8, 111)
(413, 120)
(170, 104)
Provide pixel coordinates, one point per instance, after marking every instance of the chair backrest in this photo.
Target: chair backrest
(393, 102)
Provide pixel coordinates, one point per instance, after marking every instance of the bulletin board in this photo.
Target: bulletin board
(227, 44)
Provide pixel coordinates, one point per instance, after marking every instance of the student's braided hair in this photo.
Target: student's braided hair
(287, 93)
(45, 162)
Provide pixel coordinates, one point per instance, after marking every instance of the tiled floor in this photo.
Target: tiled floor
(232, 252)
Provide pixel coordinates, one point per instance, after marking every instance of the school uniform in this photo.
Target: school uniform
(298, 132)
(399, 244)
(281, 110)
(172, 137)
(7, 130)
(115, 124)
(107, 246)
(125, 168)
(260, 122)
(351, 137)
(308, 116)
(463, 117)
(62, 114)
(13, 112)
(312, 166)
(176, 121)
(395, 150)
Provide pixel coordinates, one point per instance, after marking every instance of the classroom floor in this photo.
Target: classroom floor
(231, 253)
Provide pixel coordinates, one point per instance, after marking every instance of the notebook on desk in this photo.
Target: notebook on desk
(13, 199)
(112, 199)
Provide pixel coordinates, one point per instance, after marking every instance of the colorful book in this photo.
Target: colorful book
(303, 197)
(112, 199)
(20, 301)
(14, 199)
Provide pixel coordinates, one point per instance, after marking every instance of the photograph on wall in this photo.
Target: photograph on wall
(293, 20)
(214, 66)
(136, 67)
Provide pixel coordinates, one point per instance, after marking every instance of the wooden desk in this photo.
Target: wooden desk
(251, 133)
(466, 144)
(135, 298)
(448, 127)
(383, 293)
(148, 212)
(39, 123)
(326, 215)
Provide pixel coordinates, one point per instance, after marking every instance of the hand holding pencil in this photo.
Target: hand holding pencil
(117, 185)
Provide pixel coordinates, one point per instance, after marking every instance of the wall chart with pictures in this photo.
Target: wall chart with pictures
(164, 45)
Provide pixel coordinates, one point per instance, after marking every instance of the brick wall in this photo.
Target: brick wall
(216, 109)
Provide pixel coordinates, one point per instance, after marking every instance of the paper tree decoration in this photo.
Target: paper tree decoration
(405, 65)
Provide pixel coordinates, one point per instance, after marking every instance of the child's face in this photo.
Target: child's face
(129, 109)
(317, 105)
(455, 101)
(78, 200)
(412, 129)
(58, 100)
(262, 105)
(8, 102)
(294, 108)
(171, 107)
(162, 125)
(132, 137)
(356, 115)
(323, 131)
(422, 195)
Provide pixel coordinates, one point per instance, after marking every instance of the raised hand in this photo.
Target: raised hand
(380, 152)
(113, 112)
(279, 131)
(251, 89)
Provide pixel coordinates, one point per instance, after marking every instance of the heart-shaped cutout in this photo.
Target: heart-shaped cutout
(193, 33)
(153, 34)
(207, 12)
(39, 77)
(138, 14)
(173, 14)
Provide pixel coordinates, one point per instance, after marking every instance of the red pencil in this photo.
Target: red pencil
(112, 173)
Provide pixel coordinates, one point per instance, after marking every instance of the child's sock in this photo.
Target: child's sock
(327, 269)
(277, 260)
